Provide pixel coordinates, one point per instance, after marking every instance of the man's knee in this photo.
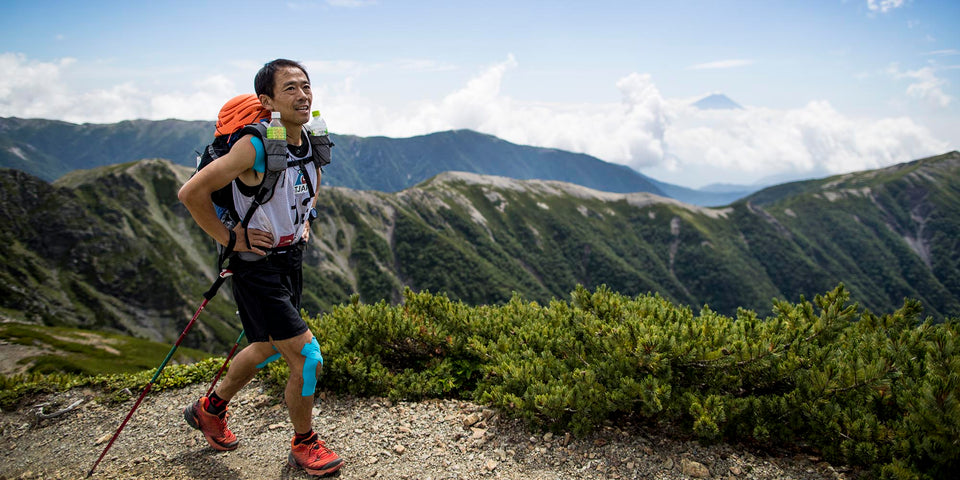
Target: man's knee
(312, 363)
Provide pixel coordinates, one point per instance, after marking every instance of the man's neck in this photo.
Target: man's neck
(294, 136)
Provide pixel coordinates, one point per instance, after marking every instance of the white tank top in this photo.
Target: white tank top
(284, 215)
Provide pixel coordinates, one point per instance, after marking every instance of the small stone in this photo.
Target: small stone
(736, 470)
(566, 439)
(668, 464)
(104, 438)
(490, 465)
(276, 426)
(694, 469)
(358, 430)
(547, 437)
(399, 449)
(404, 430)
(478, 433)
(631, 465)
(471, 419)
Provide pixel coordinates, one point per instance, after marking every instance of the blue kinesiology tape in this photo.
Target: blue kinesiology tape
(269, 359)
(314, 358)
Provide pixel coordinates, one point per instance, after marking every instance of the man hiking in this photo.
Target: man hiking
(267, 277)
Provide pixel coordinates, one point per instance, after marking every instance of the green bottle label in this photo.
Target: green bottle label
(276, 133)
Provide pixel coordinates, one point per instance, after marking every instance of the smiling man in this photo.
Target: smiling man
(267, 277)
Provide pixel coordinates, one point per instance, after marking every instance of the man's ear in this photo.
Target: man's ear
(266, 101)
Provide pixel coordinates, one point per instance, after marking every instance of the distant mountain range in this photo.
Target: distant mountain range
(112, 249)
(50, 149)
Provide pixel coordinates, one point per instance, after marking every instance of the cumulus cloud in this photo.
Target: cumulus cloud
(645, 130)
(884, 6)
(33, 89)
(925, 85)
(30, 88)
(814, 139)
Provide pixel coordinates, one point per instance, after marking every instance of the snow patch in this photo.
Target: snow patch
(16, 151)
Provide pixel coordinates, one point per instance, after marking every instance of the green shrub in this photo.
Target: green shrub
(881, 391)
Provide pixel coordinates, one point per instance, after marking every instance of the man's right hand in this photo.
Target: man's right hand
(258, 238)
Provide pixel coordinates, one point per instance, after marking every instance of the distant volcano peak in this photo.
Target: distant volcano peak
(717, 101)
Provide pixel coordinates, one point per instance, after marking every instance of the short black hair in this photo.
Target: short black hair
(263, 82)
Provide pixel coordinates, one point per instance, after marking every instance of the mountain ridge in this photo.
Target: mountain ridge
(364, 163)
(113, 249)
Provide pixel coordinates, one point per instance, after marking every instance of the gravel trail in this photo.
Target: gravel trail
(435, 439)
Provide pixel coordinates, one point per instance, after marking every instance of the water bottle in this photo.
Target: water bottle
(276, 130)
(318, 126)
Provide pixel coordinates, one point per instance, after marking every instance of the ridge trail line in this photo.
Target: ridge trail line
(378, 438)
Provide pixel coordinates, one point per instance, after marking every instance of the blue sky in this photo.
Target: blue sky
(827, 86)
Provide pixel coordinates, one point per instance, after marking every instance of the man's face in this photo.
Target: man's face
(292, 96)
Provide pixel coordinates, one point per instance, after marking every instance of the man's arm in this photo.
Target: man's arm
(195, 195)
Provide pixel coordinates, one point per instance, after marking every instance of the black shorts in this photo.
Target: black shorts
(268, 293)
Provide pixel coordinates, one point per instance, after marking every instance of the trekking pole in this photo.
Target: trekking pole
(229, 356)
(209, 294)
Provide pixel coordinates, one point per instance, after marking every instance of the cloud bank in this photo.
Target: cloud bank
(643, 130)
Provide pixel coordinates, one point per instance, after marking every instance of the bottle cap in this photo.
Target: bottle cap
(315, 113)
(275, 115)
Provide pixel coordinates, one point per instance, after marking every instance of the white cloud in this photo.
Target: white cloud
(643, 130)
(733, 63)
(30, 88)
(884, 6)
(813, 139)
(926, 85)
(647, 131)
(34, 89)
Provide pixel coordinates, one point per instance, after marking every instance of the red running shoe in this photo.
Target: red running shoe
(214, 428)
(313, 456)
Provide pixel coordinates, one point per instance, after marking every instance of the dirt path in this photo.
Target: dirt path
(377, 438)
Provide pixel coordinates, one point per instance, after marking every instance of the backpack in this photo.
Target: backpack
(276, 152)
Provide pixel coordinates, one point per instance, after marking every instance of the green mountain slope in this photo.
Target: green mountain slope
(888, 233)
(113, 249)
(109, 249)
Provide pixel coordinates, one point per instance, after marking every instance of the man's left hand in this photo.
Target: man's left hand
(306, 231)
